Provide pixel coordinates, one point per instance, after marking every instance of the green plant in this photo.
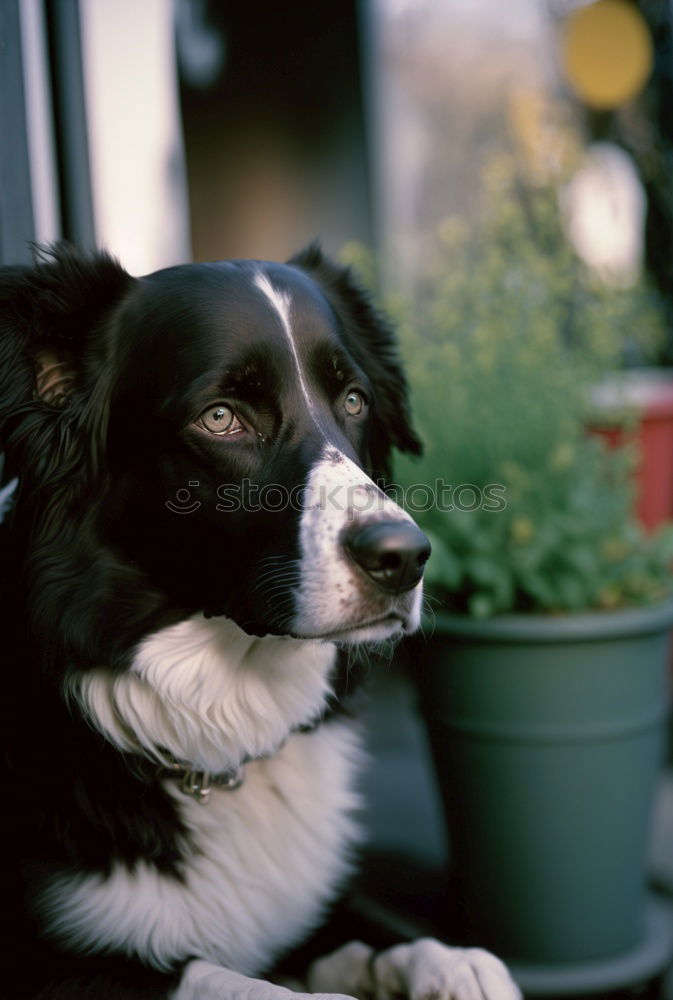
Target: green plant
(503, 342)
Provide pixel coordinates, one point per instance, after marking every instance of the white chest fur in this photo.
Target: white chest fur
(263, 859)
(267, 858)
(208, 693)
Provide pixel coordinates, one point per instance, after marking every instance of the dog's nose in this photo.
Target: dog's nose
(392, 553)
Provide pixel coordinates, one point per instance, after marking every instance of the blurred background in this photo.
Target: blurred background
(211, 128)
(502, 176)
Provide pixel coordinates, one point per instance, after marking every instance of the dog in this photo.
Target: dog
(197, 538)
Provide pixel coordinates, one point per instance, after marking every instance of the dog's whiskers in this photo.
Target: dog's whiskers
(429, 613)
(287, 573)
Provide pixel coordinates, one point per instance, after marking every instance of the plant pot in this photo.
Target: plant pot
(548, 735)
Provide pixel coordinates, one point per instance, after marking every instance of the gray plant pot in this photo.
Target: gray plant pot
(548, 736)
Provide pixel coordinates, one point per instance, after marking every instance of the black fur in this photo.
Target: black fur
(93, 561)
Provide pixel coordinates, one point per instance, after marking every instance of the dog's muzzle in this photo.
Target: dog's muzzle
(392, 553)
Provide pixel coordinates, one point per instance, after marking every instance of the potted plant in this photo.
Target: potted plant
(543, 678)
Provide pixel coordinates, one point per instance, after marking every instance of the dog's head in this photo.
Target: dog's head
(211, 436)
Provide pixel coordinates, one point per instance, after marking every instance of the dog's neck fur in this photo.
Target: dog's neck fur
(207, 694)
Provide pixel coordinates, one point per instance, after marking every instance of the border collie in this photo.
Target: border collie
(196, 539)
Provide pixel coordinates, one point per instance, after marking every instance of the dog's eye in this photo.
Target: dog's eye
(354, 403)
(219, 420)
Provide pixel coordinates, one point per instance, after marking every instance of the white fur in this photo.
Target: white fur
(266, 860)
(208, 693)
(282, 304)
(335, 599)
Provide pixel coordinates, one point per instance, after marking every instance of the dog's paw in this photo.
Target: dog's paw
(203, 980)
(422, 970)
(294, 990)
(346, 969)
(292, 995)
(429, 970)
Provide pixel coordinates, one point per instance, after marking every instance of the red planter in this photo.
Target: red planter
(648, 393)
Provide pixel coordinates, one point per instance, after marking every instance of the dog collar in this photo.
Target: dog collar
(199, 784)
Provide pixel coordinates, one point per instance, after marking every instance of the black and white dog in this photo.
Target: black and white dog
(195, 538)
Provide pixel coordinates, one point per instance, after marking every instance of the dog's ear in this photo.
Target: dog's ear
(52, 351)
(48, 313)
(370, 338)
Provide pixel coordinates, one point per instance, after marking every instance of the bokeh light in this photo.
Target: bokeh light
(606, 53)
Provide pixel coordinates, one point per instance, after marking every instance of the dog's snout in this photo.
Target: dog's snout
(392, 553)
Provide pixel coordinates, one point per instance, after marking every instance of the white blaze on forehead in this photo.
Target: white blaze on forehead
(282, 304)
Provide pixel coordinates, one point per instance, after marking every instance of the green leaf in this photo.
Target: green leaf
(572, 591)
(481, 605)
